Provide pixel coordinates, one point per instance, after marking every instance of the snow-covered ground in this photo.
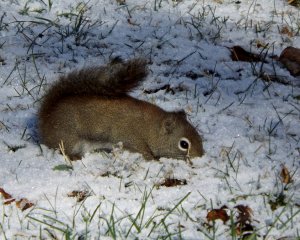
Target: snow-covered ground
(250, 126)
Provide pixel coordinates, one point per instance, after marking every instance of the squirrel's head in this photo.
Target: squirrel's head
(179, 139)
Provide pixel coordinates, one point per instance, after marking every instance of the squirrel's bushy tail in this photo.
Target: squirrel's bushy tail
(113, 80)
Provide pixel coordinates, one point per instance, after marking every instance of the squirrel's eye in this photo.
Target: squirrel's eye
(184, 144)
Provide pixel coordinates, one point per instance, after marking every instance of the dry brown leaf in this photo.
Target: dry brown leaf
(79, 195)
(244, 230)
(294, 3)
(287, 31)
(244, 219)
(285, 175)
(8, 199)
(24, 204)
(172, 182)
(290, 58)
(240, 54)
(216, 214)
(245, 214)
(5, 195)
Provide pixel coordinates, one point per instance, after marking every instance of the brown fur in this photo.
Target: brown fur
(90, 109)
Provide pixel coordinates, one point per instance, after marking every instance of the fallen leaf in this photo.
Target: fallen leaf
(294, 3)
(240, 54)
(279, 201)
(287, 31)
(172, 182)
(24, 204)
(8, 199)
(290, 58)
(285, 175)
(5, 195)
(80, 195)
(244, 214)
(244, 230)
(244, 219)
(216, 214)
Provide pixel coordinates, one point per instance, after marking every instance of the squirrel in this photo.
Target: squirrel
(90, 109)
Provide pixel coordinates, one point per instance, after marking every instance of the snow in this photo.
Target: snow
(250, 128)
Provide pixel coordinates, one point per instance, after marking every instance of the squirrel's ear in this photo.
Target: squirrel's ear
(168, 125)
